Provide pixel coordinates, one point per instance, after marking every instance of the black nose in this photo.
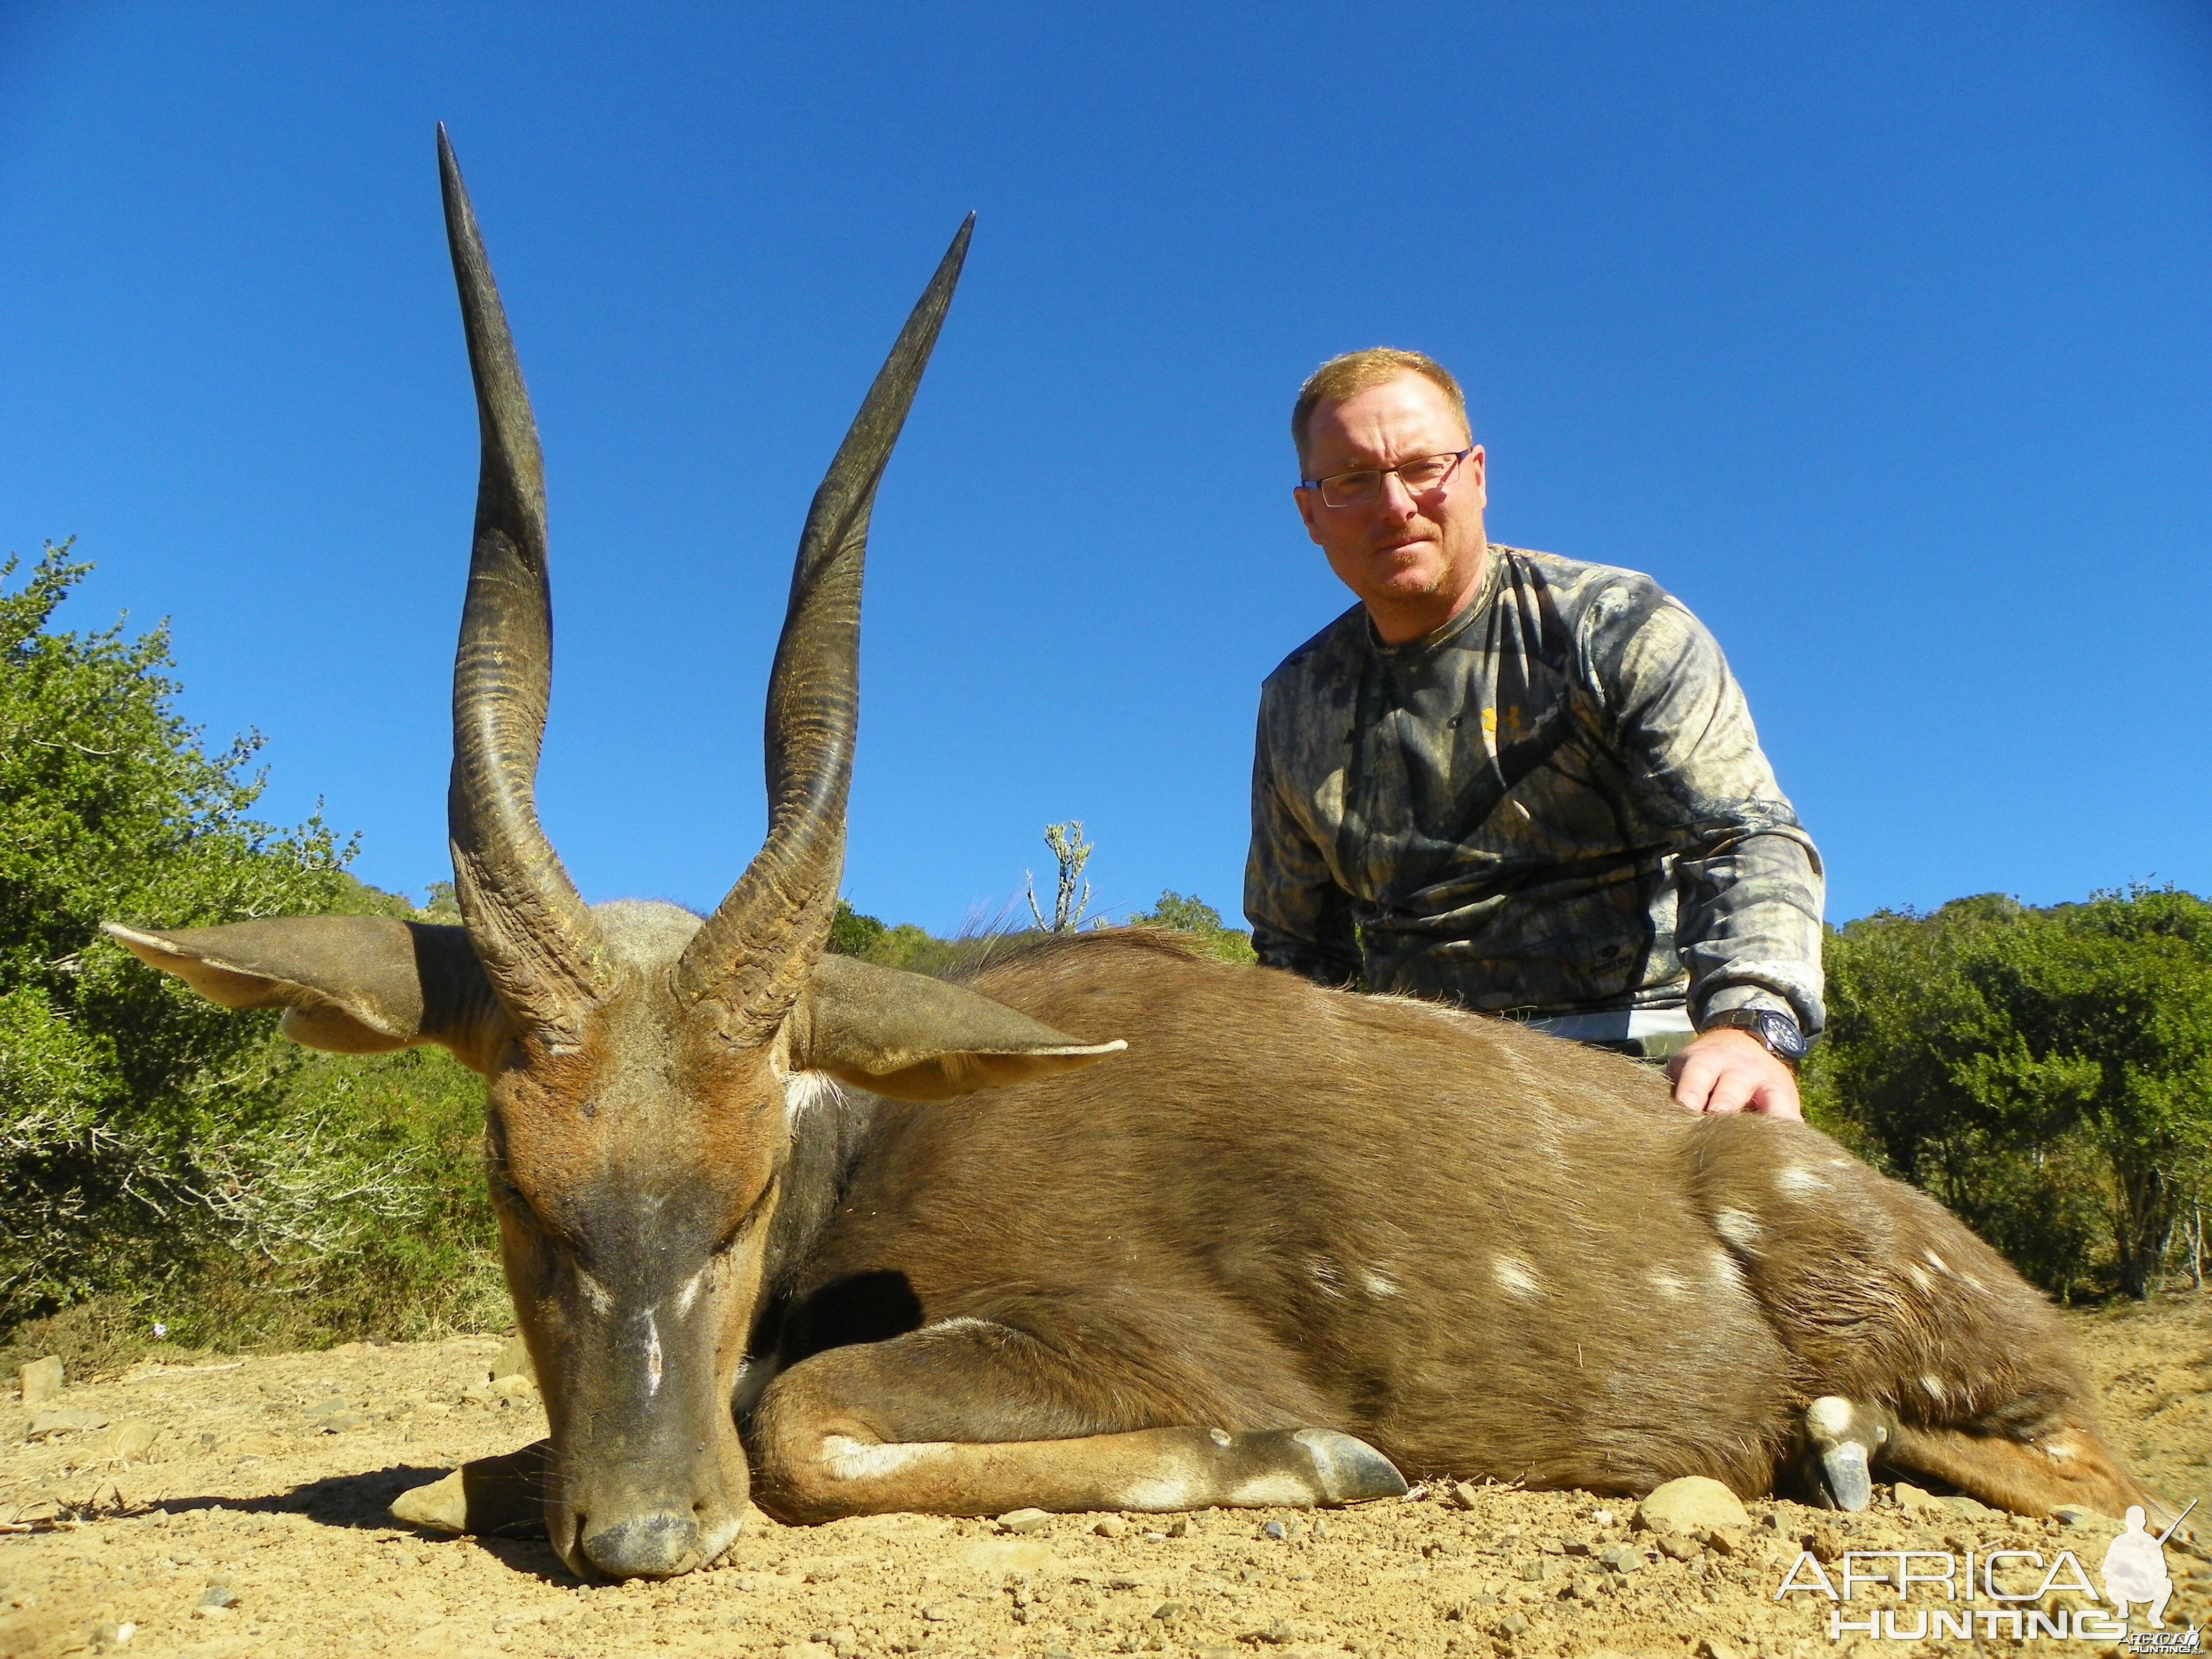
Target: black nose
(655, 1546)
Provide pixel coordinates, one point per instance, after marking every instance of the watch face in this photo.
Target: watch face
(1780, 1033)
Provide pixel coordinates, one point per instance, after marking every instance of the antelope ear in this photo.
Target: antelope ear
(916, 1038)
(353, 985)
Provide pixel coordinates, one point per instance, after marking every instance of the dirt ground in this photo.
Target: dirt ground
(253, 1523)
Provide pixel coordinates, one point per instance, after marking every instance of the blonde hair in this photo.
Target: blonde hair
(1356, 371)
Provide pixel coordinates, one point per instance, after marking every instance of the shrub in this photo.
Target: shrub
(153, 1145)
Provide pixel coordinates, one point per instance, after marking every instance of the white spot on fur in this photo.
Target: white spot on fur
(1275, 1490)
(1514, 1278)
(1795, 1180)
(2060, 1450)
(803, 1091)
(1935, 1261)
(1974, 1284)
(1322, 1272)
(689, 1293)
(1739, 1227)
(1934, 1385)
(594, 1292)
(1667, 1284)
(651, 1354)
(1830, 1417)
(848, 1459)
(1919, 1278)
(1724, 1272)
(1159, 1494)
(1378, 1284)
(948, 1327)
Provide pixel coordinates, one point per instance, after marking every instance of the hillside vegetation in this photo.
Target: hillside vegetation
(176, 1173)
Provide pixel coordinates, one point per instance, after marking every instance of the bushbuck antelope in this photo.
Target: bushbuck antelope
(787, 1226)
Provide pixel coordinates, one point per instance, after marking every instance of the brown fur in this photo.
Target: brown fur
(1286, 1206)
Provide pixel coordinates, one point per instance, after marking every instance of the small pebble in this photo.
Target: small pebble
(1276, 1530)
(1111, 1525)
(1024, 1520)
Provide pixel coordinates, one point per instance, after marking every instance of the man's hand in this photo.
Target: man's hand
(1730, 1071)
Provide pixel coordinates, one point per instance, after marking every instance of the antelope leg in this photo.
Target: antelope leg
(2065, 1460)
(1842, 1439)
(874, 1428)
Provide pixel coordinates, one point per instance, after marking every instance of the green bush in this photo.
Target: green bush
(2046, 1074)
(1188, 915)
(158, 1152)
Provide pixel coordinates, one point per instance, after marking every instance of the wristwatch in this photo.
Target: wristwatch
(1776, 1033)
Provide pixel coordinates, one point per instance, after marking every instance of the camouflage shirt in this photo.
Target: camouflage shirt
(1555, 803)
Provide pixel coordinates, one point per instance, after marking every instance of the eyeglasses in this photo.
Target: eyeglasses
(1364, 487)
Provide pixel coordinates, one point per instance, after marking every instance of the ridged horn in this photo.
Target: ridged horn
(748, 964)
(540, 948)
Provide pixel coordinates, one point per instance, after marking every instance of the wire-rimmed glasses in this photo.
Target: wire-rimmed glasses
(1363, 488)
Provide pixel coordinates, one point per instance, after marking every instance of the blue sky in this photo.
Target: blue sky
(1877, 333)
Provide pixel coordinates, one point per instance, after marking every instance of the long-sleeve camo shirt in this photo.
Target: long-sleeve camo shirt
(1556, 803)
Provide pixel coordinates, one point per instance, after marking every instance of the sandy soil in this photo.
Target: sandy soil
(253, 1523)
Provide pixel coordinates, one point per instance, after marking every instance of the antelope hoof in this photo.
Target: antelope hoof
(1844, 1479)
(1843, 1438)
(1348, 1470)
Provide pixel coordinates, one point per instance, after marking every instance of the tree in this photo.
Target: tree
(137, 1121)
(2047, 1074)
(1072, 853)
(851, 933)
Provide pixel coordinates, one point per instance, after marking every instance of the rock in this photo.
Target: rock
(64, 1420)
(41, 1379)
(1466, 1494)
(1112, 1526)
(1185, 1526)
(1963, 1506)
(127, 1442)
(442, 1505)
(2075, 1516)
(218, 1596)
(1168, 1612)
(1276, 1530)
(1712, 1647)
(1024, 1521)
(1688, 1504)
(513, 1360)
(1624, 1557)
(513, 1387)
(338, 1422)
(1680, 1545)
(1910, 1498)
(500, 1497)
(937, 1614)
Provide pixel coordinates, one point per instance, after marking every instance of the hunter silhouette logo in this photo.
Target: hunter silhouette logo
(2135, 1569)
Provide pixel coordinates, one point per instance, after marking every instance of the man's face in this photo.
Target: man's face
(1413, 562)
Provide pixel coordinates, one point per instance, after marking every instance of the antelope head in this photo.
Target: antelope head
(643, 1066)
